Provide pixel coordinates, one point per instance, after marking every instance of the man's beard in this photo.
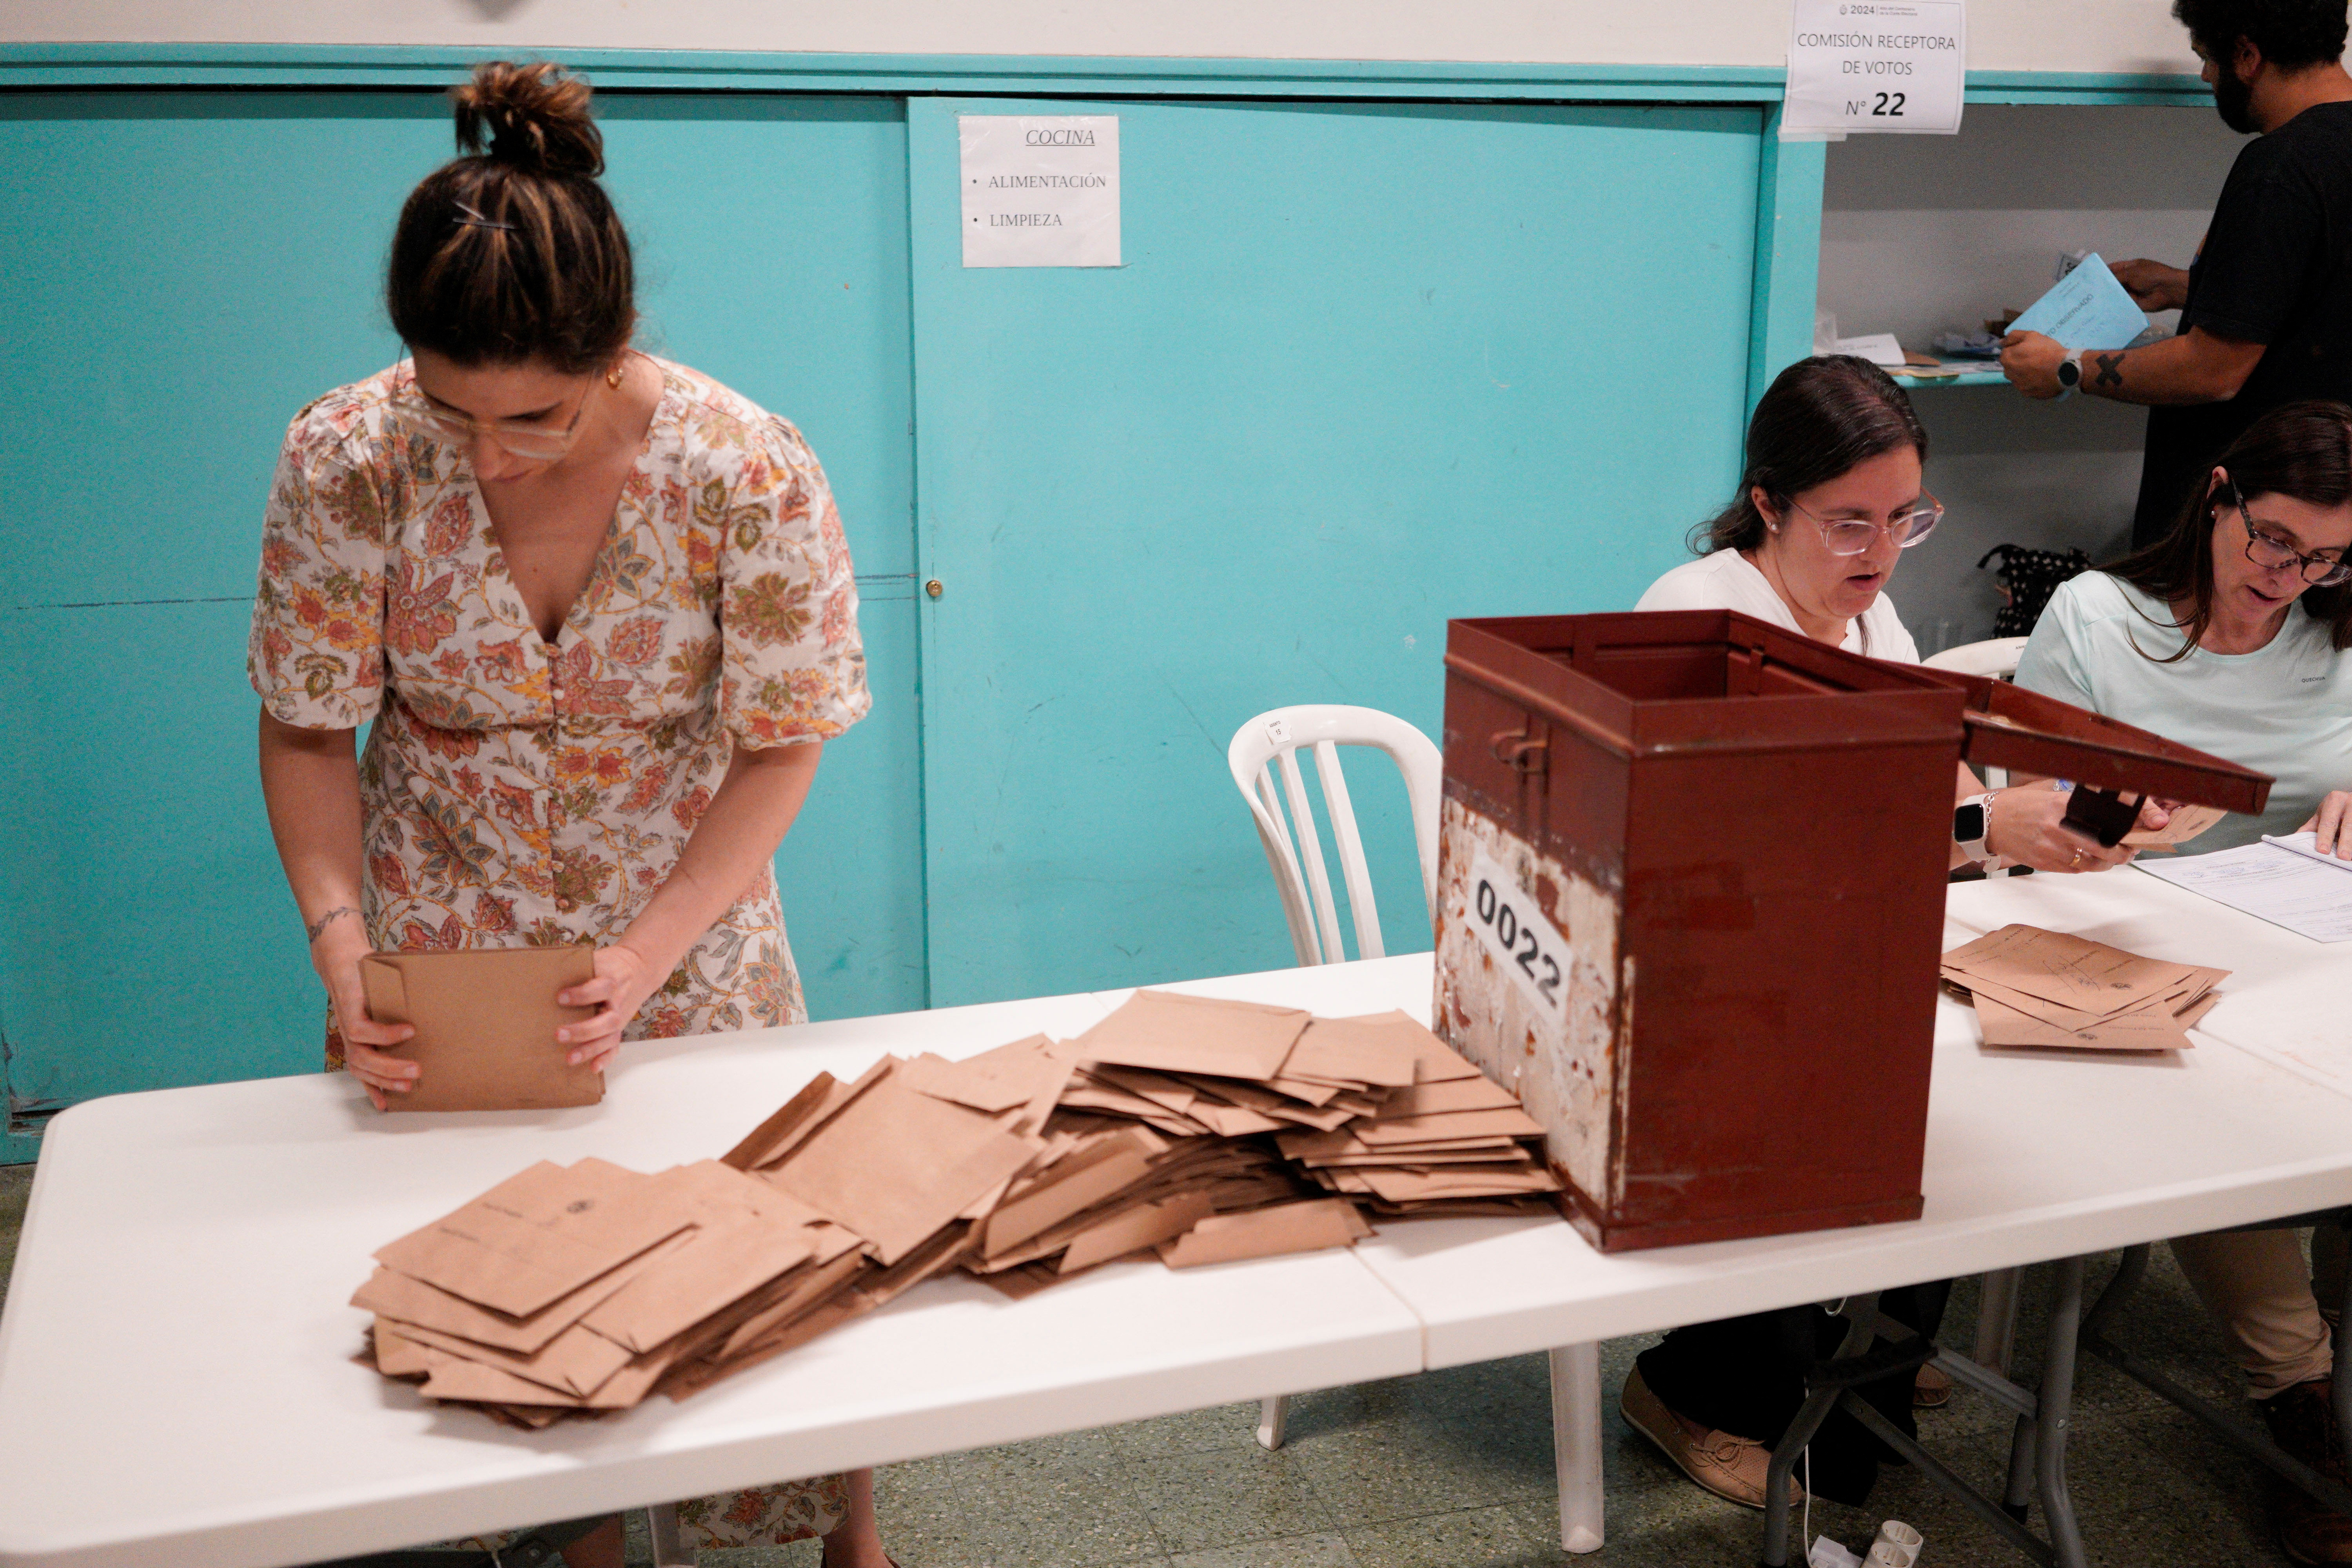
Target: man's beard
(2233, 100)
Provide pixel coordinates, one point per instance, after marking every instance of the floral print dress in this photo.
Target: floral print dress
(517, 792)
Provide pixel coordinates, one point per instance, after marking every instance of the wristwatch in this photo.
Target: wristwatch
(1970, 820)
(2070, 374)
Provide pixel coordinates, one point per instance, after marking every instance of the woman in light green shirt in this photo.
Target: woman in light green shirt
(2233, 635)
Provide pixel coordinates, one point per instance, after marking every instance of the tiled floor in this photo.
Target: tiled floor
(1453, 1470)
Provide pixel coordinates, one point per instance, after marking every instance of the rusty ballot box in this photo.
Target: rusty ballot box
(1691, 886)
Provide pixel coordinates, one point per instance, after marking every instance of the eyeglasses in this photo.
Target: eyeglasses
(521, 438)
(1853, 535)
(2276, 554)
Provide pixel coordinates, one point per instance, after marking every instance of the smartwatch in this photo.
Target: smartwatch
(1970, 819)
(2069, 374)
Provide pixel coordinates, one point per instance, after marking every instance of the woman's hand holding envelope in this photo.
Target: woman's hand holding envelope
(624, 978)
(336, 956)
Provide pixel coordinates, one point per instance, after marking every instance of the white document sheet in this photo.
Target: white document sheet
(2282, 880)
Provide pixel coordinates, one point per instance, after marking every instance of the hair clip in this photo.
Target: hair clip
(476, 220)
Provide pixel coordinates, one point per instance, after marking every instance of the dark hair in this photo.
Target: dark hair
(2291, 34)
(2302, 450)
(513, 252)
(1820, 417)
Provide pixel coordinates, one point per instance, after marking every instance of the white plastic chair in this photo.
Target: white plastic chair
(1270, 743)
(1995, 657)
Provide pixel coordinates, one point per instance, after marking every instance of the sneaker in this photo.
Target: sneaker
(1730, 1467)
(2302, 1420)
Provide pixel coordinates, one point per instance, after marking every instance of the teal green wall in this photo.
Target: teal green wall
(1368, 365)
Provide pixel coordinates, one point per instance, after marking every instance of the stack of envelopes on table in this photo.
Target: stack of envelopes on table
(2045, 989)
(589, 1288)
(1200, 1131)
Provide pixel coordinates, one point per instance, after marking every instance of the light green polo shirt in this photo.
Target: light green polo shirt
(2284, 710)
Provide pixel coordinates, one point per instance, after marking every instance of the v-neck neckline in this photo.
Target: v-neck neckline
(496, 566)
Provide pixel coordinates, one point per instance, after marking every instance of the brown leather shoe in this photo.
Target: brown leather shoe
(2302, 1420)
(1931, 1390)
(1730, 1467)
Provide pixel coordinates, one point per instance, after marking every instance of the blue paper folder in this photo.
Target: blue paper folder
(2087, 310)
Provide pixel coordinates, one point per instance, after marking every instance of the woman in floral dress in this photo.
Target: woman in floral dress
(599, 614)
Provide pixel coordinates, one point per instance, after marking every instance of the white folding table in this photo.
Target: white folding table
(174, 1380)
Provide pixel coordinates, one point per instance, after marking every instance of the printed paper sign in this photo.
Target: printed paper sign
(1875, 66)
(1040, 190)
(1524, 946)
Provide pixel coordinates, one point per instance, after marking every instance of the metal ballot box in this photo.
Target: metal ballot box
(1691, 885)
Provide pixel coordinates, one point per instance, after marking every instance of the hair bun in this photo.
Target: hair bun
(532, 117)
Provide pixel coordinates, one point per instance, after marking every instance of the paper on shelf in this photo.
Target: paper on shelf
(2086, 310)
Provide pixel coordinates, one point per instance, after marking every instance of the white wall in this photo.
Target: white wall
(1922, 234)
(2135, 36)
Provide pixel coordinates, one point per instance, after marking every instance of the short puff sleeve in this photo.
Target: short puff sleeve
(315, 654)
(793, 667)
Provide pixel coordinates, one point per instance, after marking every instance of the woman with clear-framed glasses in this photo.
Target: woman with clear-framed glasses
(599, 615)
(2233, 634)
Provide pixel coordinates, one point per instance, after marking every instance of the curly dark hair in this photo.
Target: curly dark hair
(2291, 34)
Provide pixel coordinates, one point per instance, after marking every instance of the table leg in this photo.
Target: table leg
(1273, 1416)
(1997, 1319)
(1576, 1443)
(669, 1546)
(2054, 1415)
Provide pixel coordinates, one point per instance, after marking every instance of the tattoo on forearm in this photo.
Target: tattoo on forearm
(315, 927)
(2111, 370)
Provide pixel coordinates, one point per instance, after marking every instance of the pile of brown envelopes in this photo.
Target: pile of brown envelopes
(2035, 988)
(1200, 1131)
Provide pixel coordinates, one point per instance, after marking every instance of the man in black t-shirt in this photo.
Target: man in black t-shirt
(2266, 306)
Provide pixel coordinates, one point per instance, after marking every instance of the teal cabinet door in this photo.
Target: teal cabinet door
(1366, 368)
(185, 271)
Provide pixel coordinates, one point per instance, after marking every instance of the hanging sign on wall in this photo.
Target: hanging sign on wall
(1040, 190)
(1875, 66)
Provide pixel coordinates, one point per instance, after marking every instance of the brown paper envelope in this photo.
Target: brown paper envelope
(994, 1081)
(1329, 1120)
(1134, 1230)
(2187, 822)
(485, 1021)
(1233, 1121)
(575, 1363)
(454, 1377)
(722, 1264)
(1512, 1123)
(799, 1118)
(1377, 1048)
(1173, 1033)
(809, 1290)
(1308, 1227)
(2072, 970)
(2006, 1028)
(2187, 1017)
(1480, 1093)
(397, 1355)
(1082, 1181)
(1514, 1154)
(895, 1167)
(540, 1234)
(1402, 1185)
(1172, 1094)
(392, 1294)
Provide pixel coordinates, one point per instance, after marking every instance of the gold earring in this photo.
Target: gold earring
(613, 376)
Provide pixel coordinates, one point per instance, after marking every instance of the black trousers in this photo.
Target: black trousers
(1746, 1377)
